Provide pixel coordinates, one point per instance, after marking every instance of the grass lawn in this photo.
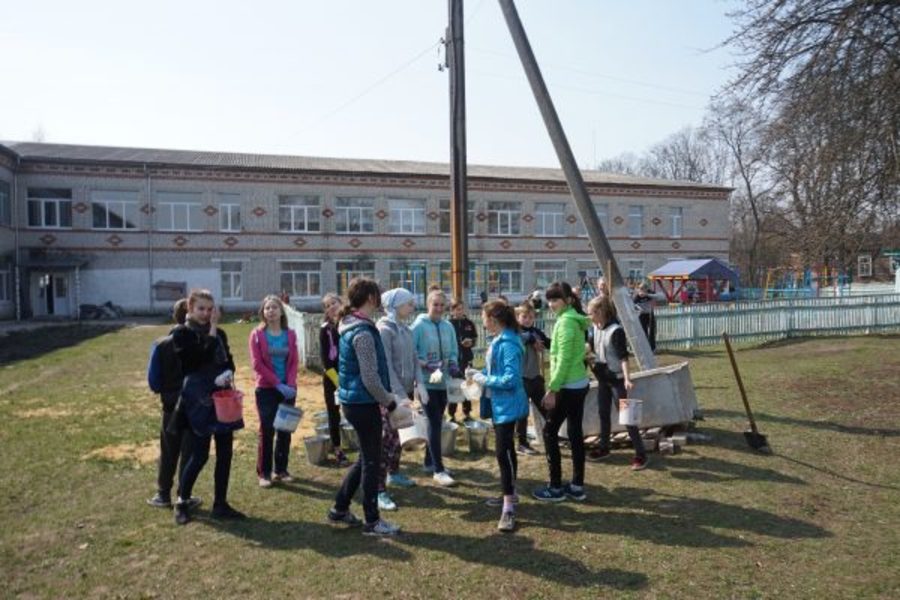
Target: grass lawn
(819, 518)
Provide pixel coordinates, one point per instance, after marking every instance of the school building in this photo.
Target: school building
(138, 227)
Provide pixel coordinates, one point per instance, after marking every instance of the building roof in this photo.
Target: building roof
(35, 151)
(695, 269)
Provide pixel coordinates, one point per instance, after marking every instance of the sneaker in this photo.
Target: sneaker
(182, 513)
(507, 522)
(497, 501)
(549, 494)
(598, 455)
(160, 501)
(400, 480)
(443, 479)
(341, 458)
(194, 502)
(639, 463)
(380, 528)
(265, 483)
(385, 502)
(225, 511)
(526, 450)
(429, 470)
(343, 518)
(284, 477)
(574, 492)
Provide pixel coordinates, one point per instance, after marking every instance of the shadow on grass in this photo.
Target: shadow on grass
(696, 467)
(836, 475)
(24, 345)
(795, 422)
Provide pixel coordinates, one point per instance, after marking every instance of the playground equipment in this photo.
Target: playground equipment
(692, 281)
(790, 282)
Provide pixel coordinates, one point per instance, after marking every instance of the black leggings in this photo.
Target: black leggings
(334, 412)
(534, 389)
(570, 408)
(606, 393)
(198, 456)
(173, 444)
(504, 438)
(366, 420)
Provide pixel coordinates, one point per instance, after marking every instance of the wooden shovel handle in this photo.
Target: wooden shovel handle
(740, 382)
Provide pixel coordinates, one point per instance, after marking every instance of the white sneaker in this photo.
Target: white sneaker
(265, 483)
(385, 502)
(443, 479)
(381, 527)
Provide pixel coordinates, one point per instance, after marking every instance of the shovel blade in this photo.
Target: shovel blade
(757, 441)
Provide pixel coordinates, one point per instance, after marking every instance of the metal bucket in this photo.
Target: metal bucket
(477, 433)
(415, 435)
(454, 391)
(631, 411)
(448, 438)
(320, 418)
(316, 449)
(349, 439)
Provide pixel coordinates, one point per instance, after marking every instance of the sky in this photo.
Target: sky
(356, 78)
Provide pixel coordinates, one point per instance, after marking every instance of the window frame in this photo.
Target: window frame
(498, 266)
(539, 266)
(636, 217)
(42, 202)
(602, 215)
(864, 259)
(229, 211)
(228, 292)
(312, 207)
(308, 268)
(504, 210)
(5, 203)
(398, 215)
(631, 270)
(124, 205)
(364, 211)
(354, 271)
(558, 219)
(676, 221)
(444, 217)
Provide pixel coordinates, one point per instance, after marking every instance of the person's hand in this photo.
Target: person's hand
(628, 384)
(224, 379)
(436, 377)
(214, 316)
(467, 343)
(333, 376)
(479, 378)
(470, 373)
(549, 401)
(433, 365)
(287, 391)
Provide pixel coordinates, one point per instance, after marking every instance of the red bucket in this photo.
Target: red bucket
(229, 405)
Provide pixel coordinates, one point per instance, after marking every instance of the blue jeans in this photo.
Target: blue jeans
(366, 420)
(434, 410)
(267, 401)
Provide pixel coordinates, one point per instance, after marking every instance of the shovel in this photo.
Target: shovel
(754, 438)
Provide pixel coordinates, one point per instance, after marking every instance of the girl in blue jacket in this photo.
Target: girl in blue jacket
(503, 388)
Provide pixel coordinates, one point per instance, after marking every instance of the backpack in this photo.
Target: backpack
(164, 369)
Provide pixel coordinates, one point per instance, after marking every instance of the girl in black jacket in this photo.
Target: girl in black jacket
(207, 364)
(328, 352)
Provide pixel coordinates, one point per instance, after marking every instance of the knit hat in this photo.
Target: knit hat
(391, 300)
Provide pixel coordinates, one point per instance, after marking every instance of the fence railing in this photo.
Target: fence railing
(683, 327)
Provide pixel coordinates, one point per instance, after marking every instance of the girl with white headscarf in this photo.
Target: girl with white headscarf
(405, 375)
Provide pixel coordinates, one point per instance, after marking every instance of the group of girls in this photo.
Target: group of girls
(373, 371)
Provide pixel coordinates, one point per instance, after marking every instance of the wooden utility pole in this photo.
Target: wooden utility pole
(620, 294)
(459, 243)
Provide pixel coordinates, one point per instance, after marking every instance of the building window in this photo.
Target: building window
(546, 272)
(348, 269)
(635, 270)
(504, 277)
(50, 207)
(354, 215)
(5, 204)
(635, 221)
(299, 214)
(229, 212)
(602, 211)
(444, 210)
(178, 211)
(232, 280)
(409, 275)
(676, 218)
(301, 279)
(549, 219)
(864, 265)
(5, 281)
(503, 218)
(407, 216)
(114, 210)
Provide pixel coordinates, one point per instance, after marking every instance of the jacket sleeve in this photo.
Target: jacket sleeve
(509, 365)
(387, 339)
(260, 363)
(223, 338)
(453, 354)
(568, 339)
(293, 360)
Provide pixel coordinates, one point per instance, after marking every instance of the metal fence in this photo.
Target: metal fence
(681, 327)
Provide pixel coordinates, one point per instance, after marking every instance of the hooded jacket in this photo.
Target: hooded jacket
(567, 349)
(435, 341)
(504, 378)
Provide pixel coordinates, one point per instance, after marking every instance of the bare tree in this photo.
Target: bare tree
(686, 155)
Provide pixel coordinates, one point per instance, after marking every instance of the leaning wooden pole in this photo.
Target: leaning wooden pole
(459, 246)
(619, 292)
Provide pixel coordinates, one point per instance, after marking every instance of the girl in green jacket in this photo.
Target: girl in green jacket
(567, 389)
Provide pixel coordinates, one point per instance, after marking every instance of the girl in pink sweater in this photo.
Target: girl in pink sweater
(273, 352)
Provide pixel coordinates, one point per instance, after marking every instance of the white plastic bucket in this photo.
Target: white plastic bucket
(415, 435)
(287, 418)
(448, 438)
(454, 391)
(320, 418)
(477, 432)
(349, 438)
(471, 390)
(630, 411)
(316, 449)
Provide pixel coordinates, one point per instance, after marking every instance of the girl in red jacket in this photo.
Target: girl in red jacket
(273, 351)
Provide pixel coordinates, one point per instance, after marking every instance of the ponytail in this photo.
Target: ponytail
(501, 312)
(360, 290)
(563, 291)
